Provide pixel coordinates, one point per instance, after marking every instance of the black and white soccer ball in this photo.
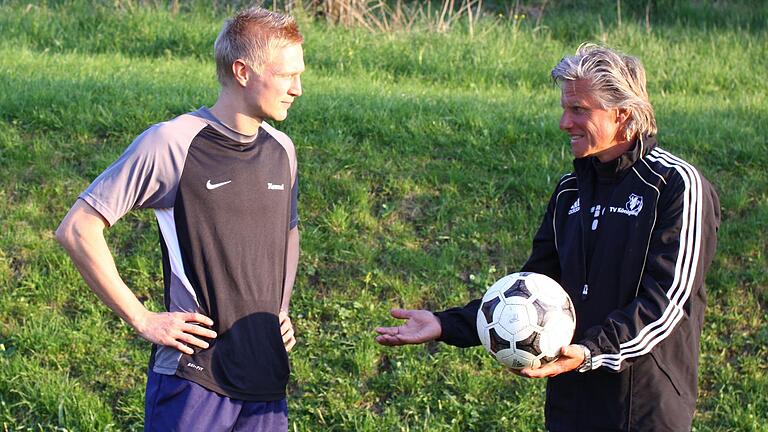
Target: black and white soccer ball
(525, 319)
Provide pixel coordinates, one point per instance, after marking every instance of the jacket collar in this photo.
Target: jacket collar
(616, 168)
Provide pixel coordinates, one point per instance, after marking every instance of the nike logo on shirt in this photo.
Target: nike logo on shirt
(212, 186)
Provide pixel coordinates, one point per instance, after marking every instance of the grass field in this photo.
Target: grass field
(426, 162)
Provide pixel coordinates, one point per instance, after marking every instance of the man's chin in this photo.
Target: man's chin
(273, 116)
(280, 114)
(577, 154)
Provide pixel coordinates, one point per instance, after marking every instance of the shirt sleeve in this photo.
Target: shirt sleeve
(459, 325)
(146, 174)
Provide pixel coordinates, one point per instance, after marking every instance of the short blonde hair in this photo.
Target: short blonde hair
(253, 35)
(617, 81)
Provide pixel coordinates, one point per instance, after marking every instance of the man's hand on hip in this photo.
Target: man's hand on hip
(286, 329)
(180, 330)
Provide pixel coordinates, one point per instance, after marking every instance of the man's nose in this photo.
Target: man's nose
(295, 89)
(565, 121)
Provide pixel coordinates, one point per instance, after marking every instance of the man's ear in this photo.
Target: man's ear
(623, 115)
(241, 72)
(624, 119)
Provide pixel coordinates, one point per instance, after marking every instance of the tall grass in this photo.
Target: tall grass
(426, 161)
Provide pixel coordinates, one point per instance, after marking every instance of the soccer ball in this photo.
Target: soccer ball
(525, 319)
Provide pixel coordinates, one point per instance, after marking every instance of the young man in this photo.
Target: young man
(223, 185)
(630, 235)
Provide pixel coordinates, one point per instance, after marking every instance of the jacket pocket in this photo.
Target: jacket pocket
(668, 373)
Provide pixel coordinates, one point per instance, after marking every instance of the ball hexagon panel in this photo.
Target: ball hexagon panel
(517, 359)
(519, 320)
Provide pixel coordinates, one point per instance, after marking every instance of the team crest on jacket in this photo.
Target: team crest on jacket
(632, 207)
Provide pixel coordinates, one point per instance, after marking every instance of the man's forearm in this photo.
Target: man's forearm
(81, 233)
(291, 266)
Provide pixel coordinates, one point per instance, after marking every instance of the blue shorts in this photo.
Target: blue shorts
(176, 404)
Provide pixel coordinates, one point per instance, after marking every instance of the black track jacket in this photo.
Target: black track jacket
(631, 242)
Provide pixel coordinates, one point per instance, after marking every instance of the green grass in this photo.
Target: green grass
(426, 163)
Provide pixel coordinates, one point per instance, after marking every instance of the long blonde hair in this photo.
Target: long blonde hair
(617, 81)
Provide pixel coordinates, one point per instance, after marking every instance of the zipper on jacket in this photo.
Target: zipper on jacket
(585, 292)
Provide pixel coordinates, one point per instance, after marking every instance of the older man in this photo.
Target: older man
(223, 185)
(629, 234)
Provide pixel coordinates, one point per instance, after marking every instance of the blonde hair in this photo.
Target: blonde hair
(253, 35)
(617, 81)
